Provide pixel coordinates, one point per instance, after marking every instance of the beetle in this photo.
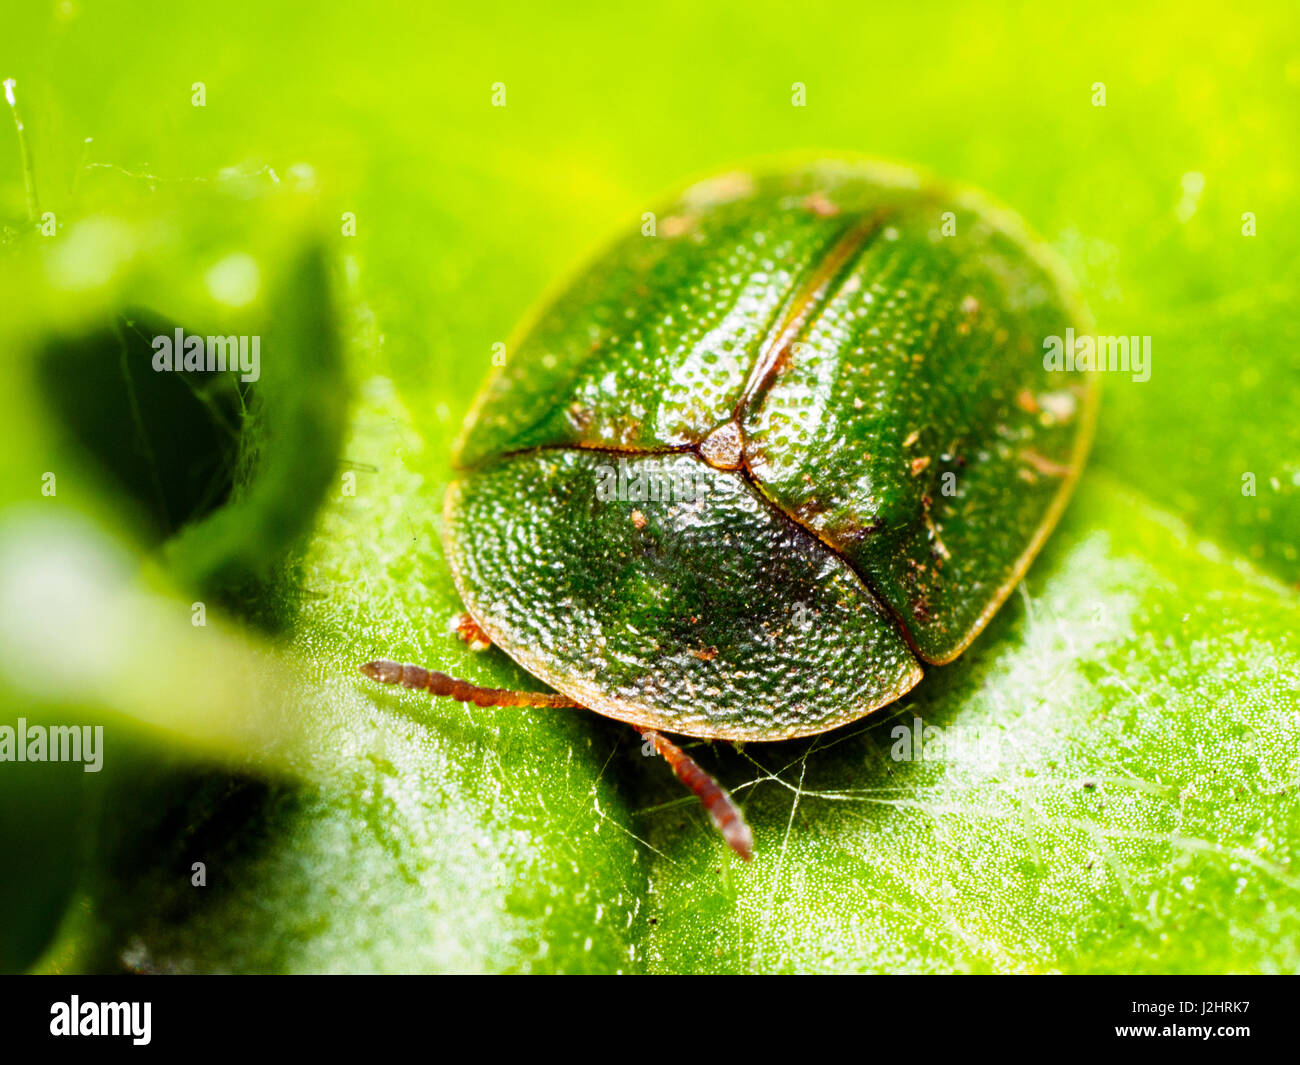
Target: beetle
(766, 458)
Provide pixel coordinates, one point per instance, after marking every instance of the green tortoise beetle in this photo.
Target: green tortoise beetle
(765, 459)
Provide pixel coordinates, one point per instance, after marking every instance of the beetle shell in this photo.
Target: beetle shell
(744, 478)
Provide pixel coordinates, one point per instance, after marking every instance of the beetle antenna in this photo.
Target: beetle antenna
(720, 805)
(463, 691)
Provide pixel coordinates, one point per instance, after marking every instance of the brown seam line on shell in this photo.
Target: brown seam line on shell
(883, 609)
(811, 296)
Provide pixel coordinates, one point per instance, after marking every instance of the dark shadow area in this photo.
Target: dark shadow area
(153, 826)
(167, 441)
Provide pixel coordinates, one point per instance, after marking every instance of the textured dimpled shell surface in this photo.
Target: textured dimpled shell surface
(745, 474)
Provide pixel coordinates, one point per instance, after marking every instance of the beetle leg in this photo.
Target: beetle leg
(469, 630)
(422, 679)
(721, 806)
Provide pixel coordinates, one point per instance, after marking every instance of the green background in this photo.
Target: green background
(1135, 806)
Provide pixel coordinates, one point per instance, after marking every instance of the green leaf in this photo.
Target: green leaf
(1118, 787)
